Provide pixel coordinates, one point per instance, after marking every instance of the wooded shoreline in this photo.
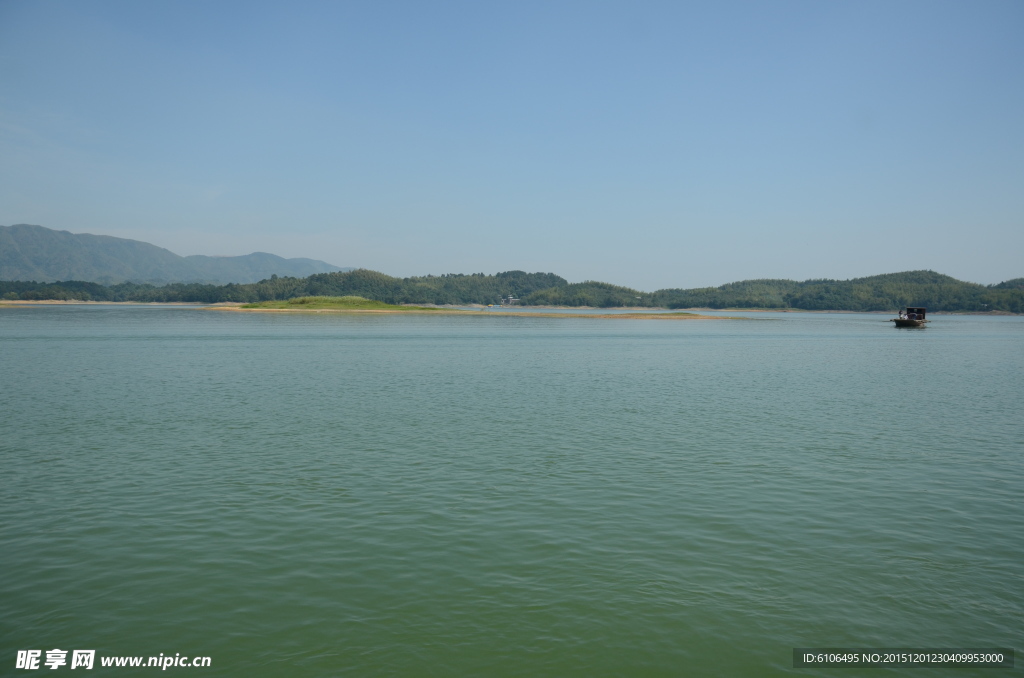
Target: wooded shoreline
(886, 293)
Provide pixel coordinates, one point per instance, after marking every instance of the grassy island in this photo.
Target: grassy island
(353, 304)
(349, 303)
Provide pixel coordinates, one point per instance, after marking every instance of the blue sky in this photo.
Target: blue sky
(650, 144)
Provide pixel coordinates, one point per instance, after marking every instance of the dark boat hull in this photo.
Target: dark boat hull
(906, 322)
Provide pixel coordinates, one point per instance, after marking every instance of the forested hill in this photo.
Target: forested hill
(890, 291)
(30, 252)
(876, 293)
(454, 288)
(887, 292)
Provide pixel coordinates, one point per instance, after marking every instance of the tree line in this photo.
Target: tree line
(876, 293)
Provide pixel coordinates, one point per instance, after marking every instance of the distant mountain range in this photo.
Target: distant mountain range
(42, 254)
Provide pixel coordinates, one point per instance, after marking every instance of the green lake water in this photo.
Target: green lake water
(328, 495)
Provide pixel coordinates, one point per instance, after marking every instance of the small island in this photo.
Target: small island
(354, 304)
(324, 303)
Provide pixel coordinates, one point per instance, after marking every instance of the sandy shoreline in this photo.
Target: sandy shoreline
(695, 312)
(79, 302)
(479, 314)
(438, 310)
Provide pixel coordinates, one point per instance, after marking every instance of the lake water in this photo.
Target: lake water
(327, 495)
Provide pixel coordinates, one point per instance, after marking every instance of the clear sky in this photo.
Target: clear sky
(649, 144)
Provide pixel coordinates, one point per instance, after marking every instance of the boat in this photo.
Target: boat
(913, 317)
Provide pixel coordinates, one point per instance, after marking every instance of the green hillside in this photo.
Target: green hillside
(589, 293)
(454, 288)
(875, 293)
(765, 293)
